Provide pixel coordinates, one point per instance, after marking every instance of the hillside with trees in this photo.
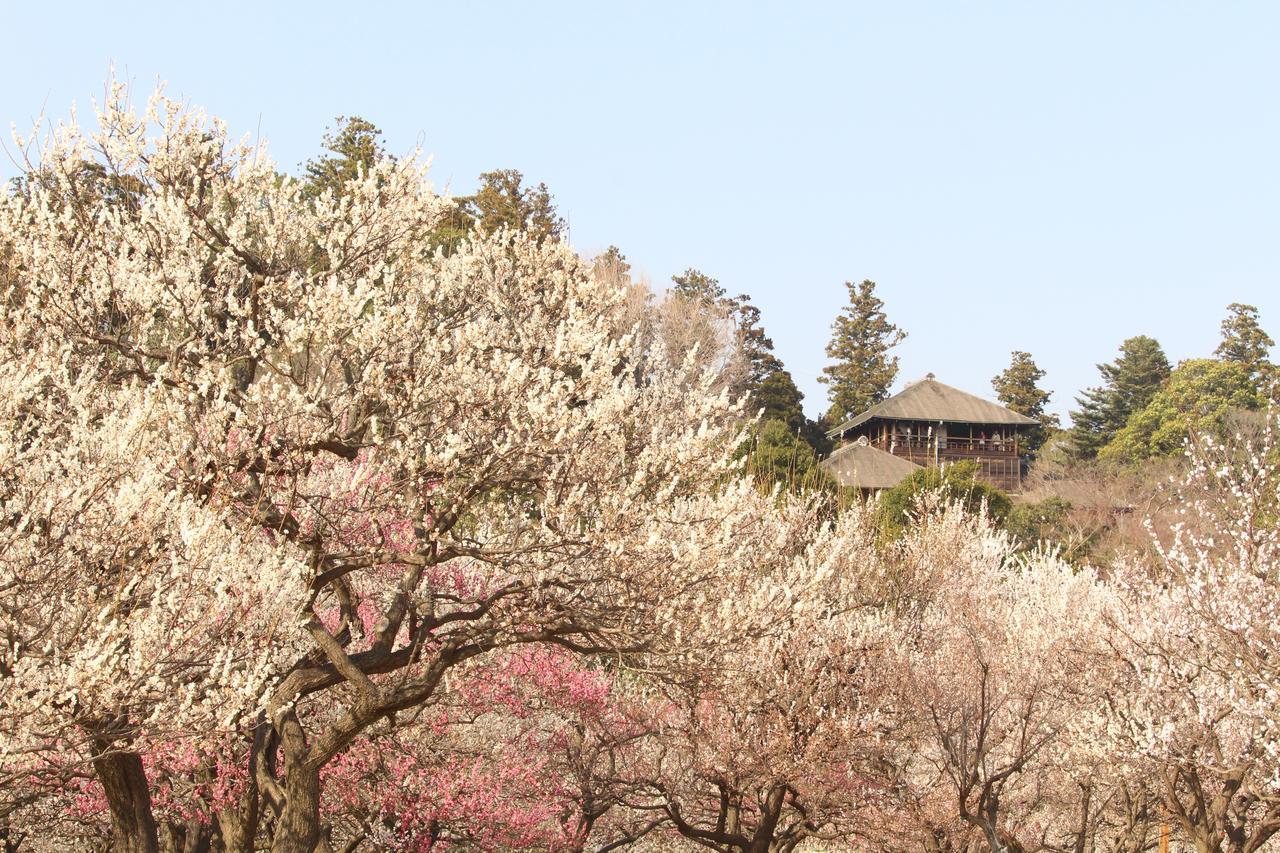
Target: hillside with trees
(340, 515)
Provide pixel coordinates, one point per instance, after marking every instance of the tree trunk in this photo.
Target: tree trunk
(237, 830)
(770, 813)
(133, 827)
(11, 838)
(298, 829)
(191, 837)
(238, 822)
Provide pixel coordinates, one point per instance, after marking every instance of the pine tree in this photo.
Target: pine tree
(770, 388)
(1245, 342)
(778, 398)
(696, 285)
(861, 338)
(756, 345)
(1128, 386)
(1016, 387)
(1092, 424)
(1196, 400)
(504, 202)
(612, 264)
(354, 146)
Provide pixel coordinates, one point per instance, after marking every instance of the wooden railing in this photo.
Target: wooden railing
(952, 444)
(998, 460)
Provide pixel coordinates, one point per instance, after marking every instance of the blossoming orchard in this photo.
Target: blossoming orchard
(319, 533)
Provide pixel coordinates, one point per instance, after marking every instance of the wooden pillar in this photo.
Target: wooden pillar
(1017, 459)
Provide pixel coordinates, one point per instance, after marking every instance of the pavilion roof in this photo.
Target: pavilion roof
(931, 400)
(866, 467)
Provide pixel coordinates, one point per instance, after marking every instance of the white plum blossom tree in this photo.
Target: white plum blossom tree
(273, 468)
(313, 536)
(1197, 639)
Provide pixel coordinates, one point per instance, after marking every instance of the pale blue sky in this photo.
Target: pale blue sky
(1048, 177)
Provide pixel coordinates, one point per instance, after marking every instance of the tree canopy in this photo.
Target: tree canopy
(505, 201)
(1017, 388)
(354, 147)
(768, 385)
(315, 536)
(780, 453)
(1129, 383)
(1193, 401)
(900, 506)
(1245, 342)
(862, 370)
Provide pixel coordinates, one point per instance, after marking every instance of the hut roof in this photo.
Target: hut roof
(931, 400)
(866, 467)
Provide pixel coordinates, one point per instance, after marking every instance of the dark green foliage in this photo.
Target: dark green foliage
(1048, 523)
(1017, 388)
(612, 265)
(955, 482)
(1195, 400)
(769, 386)
(776, 454)
(756, 345)
(697, 286)
(1244, 342)
(1092, 425)
(861, 338)
(353, 148)
(504, 202)
(1128, 385)
(779, 399)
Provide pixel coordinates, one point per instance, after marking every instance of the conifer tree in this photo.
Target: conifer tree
(504, 201)
(1016, 387)
(777, 396)
(861, 338)
(1245, 342)
(353, 147)
(1128, 386)
(756, 345)
(697, 286)
(770, 386)
(1196, 401)
(612, 263)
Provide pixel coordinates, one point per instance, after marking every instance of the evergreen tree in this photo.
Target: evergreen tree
(1128, 386)
(861, 338)
(1196, 400)
(1092, 425)
(779, 455)
(780, 400)
(1016, 387)
(769, 385)
(1245, 342)
(504, 202)
(612, 264)
(697, 286)
(354, 146)
(756, 345)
